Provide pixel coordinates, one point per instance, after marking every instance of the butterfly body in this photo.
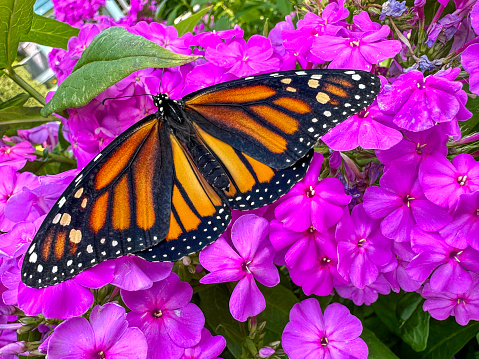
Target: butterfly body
(166, 186)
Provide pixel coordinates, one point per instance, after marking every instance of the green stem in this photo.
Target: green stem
(56, 158)
(24, 85)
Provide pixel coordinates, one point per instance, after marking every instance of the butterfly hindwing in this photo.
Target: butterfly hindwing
(118, 204)
(252, 183)
(198, 213)
(276, 118)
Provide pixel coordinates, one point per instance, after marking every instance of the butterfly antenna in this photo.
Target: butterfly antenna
(161, 79)
(114, 98)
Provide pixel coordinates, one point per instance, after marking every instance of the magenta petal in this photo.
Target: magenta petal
(451, 277)
(344, 136)
(263, 268)
(379, 203)
(108, 323)
(72, 339)
(246, 299)
(295, 213)
(247, 234)
(65, 300)
(423, 264)
(131, 345)
(363, 272)
(341, 325)
(97, 276)
(314, 170)
(184, 325)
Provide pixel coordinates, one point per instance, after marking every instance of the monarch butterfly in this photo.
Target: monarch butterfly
(166, 186)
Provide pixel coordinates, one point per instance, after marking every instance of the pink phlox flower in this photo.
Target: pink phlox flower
(67, 299)
(400, 200)
(134, 273)
(419, 102)
(16, 156)
(212, 39)
(415, 148)
(464, 227)
(252, 260)
(46, 135)
(448, 265)
(174, 80)
(242, 58)
(10, 278)
(357, 50)
(15, 243)
(443, 182)
(140, 82)
(276, 38)
(368, 295)
(323, 275)
(311, 334)
(312, 202)
(68, 11)
(165, 36)
(363, 130)
(361, 247)
(463, 306)
(470, 62)
(399, 278)
(12, 183)
(165, 315)
(78, 44)
(107, 335)
(209, 347)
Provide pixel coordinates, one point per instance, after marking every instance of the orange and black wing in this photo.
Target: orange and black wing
(199, 214)
(118, 204)
(277, 118)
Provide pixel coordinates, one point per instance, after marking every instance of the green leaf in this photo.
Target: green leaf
(377, 349)
(214, 302)
(15, 118)
(385, 309)
(15, 21)
(16, 101)
(188, 24)
(446, 338)
(284, 7)
(112, 55)
(415, 330)
(50, 32)
(279, 301)
(407, 305)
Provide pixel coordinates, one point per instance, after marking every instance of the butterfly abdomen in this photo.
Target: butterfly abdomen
(208, 165)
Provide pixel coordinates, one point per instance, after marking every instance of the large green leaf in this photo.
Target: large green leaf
(415, 330)
(279, 301)
(214, 304)
(188, 24)
(15, 22)
(377, 349)
(50, 32)
(446, 338)
(15, 118)
(112, 55)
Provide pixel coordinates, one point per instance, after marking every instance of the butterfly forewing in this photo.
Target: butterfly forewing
(118, 204)
(276, 118)
(198, 213)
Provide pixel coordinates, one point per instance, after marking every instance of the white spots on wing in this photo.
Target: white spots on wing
(314, 120)
(362, 86)
(317, 77)
(290, 89)
(61, 202)
(249, 78)
(33, 258)
(327, 113)
(54, 269)
(103, 240)
(350, 72)
(40, 268)
(97, 157)
(301, 73)
(356, 77)
(69, 263)
(32, 248)
(56, 219)
(89, 248)
(114, 243)
(75, 236)
(311, 129)
(286, 81)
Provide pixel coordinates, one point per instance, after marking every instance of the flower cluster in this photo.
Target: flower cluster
(352, 226)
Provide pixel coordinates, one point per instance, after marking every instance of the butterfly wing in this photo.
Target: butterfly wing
(118, 204)
(276, 118)
(199, 214)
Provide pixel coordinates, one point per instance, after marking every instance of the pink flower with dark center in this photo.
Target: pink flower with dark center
(165, 315)
(400, 201)
(363, 130)
(16, 156)
(106, 336)
(313, 202)
(252, 260)
(463, 307)
(418, 103)
(361, 247)
(449, 265)
(464, 227)
(443, 182)
(311, 334)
